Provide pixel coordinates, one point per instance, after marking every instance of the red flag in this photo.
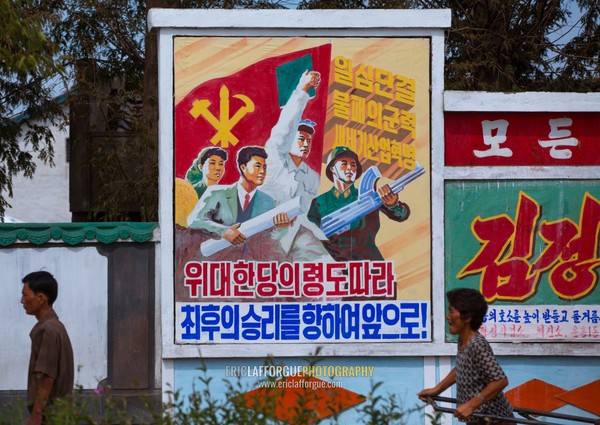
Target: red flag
(241, 109)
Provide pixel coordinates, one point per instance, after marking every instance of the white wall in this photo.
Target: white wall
(82, 305)
(45, 198)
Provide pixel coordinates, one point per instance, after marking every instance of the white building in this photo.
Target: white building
(45, 197)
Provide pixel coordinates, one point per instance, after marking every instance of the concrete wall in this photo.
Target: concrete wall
(107, 302)
(82, 275)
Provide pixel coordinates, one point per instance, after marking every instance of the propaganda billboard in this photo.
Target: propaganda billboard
(302, 189)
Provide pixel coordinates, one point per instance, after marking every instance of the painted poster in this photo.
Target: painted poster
(531, 248)
(302, 190)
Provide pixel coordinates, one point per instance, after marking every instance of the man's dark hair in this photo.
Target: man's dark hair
(208, 152)
(470, 303)
(42, 282)
(247, 152)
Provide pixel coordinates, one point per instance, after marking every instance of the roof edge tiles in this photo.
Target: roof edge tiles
(75, 233)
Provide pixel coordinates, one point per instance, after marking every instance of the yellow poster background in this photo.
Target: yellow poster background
(408, 244)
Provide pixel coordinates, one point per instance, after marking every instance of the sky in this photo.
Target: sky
(562, 35)
(570, 30)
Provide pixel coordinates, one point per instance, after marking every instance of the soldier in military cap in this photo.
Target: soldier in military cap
(358, 242)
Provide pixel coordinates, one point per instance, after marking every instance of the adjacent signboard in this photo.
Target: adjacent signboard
(530, 245)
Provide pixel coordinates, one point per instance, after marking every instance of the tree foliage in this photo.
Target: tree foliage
(27, 62)
(114, 60)
(104, 43)
(579, 59)
(501, 45)
(494, 45)
(508, 45)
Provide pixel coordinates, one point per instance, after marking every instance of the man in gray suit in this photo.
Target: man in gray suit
(223, 208)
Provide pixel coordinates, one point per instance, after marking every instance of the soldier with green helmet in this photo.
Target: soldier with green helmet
(357, 242)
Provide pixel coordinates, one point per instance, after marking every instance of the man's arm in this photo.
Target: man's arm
(234, 236)
(282, 135)
(211, 213)
(392, 206)
(313, 213)
(44, 390)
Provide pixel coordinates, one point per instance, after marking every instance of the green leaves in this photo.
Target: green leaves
(27, 62)
(509, 45)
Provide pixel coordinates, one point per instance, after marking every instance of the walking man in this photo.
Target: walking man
(51, 370)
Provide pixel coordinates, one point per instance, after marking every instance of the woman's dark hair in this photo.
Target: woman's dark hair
(42, 282)
(470, 303)
(208, 152)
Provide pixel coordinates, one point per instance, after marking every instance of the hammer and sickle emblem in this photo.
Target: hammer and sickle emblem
(224, 124)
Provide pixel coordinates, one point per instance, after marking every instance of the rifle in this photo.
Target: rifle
(368, 200)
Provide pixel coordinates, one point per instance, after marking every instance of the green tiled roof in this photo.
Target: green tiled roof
(75, 233)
